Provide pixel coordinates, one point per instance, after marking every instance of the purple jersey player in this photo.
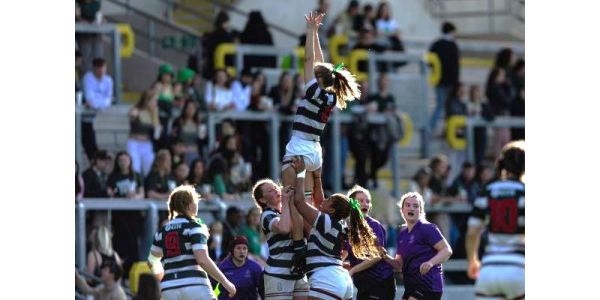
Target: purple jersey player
(421, 248)
(244, 273)
(374, 278)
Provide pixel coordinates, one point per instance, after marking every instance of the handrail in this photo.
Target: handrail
(499, 122)
(152, 206)
(236, 10)
(158, 20)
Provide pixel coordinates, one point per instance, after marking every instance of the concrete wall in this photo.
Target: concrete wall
(153, 7)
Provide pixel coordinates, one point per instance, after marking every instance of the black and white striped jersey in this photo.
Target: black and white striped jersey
(176, 241)
(313, 112)
(325, 242)
(501, 207)
(281, 250)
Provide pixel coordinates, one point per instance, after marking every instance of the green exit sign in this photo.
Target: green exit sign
(179, 42)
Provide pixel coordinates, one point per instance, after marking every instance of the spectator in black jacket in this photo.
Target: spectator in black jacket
(257, 33)
(95, 177)
(366, 40)
(449, 55)
(497, 90)
(221, 33)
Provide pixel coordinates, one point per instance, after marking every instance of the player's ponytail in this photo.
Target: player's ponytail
(339, 81)
(345, 86)
(362, 239)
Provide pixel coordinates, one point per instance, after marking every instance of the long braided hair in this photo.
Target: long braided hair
(339, 81)
(361, 237)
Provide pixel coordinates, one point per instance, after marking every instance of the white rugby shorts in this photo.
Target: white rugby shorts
(331, 283)
(310, 150)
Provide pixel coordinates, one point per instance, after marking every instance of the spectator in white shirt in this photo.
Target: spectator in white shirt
(98, 92)
(385, 24)
(217, 94)
(98, 86)
(242, 90)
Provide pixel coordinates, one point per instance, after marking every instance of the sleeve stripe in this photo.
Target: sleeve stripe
(156, 249)
(474, 222)
(196, 247)
(271, 223)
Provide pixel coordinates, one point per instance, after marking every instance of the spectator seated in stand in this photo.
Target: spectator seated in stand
(215, 241)
(181, 171)
(251, 230)
(387, 27)
(160, 182)
(242, 90)
(96, 176)
(102, 252)
(110, 289)
(227, 170)
(366, 40)
(217, 93)
(344, 23)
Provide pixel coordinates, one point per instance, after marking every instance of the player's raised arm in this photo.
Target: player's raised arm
(309, 53)
(316, 44)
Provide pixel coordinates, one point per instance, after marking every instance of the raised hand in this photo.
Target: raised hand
(313, 19)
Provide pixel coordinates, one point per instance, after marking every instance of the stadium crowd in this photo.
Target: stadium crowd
(168, 141)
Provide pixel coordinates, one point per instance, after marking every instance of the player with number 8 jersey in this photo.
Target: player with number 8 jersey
(500, 207)
(182, 243)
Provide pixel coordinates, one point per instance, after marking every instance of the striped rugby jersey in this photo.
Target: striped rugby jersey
(325, 242)
(313, 112)
(281, 250)
(501, 206)
(176, 241)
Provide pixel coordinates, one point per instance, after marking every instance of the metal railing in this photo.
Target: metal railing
(439, 9)
(274, 120)
(110, 29)
(152, 207)
(499, 122)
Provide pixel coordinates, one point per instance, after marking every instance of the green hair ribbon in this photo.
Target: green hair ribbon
(338, 67)
(217, 290)
(355, 205)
